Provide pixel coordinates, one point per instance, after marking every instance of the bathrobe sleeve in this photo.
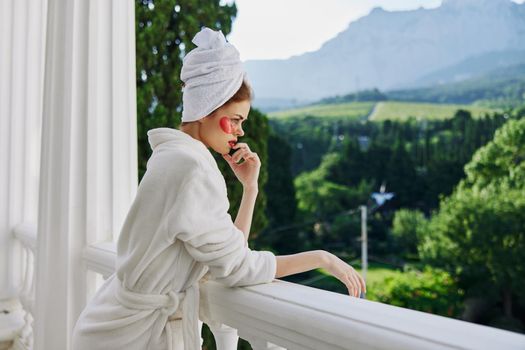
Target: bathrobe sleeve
(201, 221)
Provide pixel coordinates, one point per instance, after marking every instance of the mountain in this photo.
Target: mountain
(504, 86)
(472, 67)
(501, 87)
(389, 50)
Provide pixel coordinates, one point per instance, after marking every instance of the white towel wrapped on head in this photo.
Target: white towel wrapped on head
(212, 73)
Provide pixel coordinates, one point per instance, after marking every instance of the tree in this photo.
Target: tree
(164, 30)
(479, 231)
(282, 205)
(407, 229)
(319, 197)
(401, 177)
(420, 290)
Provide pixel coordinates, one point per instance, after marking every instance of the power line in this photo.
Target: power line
(309, 222)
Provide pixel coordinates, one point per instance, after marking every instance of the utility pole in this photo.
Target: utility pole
(380, 198)
(364, 242)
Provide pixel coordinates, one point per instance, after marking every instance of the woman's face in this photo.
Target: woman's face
(213, 132)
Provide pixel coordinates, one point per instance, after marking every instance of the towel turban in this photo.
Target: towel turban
(212, 73)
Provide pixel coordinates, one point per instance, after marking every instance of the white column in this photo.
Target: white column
(89, 154)
(258, 343)
(226, 337)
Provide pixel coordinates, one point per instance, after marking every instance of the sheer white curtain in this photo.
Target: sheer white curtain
(68, 149)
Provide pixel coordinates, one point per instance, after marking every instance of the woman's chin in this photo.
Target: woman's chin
(222, 150)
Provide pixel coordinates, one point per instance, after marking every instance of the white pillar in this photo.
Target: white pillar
(258, 343)
(89, 154)
(226, 337)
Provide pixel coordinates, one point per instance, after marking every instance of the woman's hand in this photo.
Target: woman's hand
(346, 274)
(248, 171)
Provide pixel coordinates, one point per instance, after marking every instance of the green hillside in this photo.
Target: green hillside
(403, 110)
(393, 110)
(352, 110)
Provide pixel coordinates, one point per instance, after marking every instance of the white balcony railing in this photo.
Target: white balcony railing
(26, 235)
(291, 316)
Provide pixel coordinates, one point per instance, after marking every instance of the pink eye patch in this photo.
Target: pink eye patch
(226, 125)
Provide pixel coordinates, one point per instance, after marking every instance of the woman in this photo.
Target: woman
(178, 228)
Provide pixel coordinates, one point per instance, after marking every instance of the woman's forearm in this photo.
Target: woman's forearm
(300, 262)
(243, 221)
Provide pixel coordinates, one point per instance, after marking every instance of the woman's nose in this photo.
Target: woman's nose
(240, 132)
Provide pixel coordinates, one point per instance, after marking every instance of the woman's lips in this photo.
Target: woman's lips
(232, 143)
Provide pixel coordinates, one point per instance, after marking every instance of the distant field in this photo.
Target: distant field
(382, 111)
(403, 110)
(376, 273)
(353, 110)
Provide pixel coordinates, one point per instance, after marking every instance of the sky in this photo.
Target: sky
(299, 26)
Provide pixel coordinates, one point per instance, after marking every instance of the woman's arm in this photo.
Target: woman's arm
(243, 221)
(247, 172)
(301, 262)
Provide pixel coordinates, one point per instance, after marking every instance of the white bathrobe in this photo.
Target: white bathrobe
(177, 230)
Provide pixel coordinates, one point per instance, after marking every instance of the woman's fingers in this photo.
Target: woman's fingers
(228, 158)
(348, 284)
(241, 145)
(243, 151)
(355, 283)
(360, 280)
(246, 154)
(240, 154)
(360, 283)
(363, 283)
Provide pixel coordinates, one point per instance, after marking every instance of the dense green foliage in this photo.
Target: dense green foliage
(453, 139)
(479, 232)
(431, 290)
(281, 207)
(408, 228)
(418, 160)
